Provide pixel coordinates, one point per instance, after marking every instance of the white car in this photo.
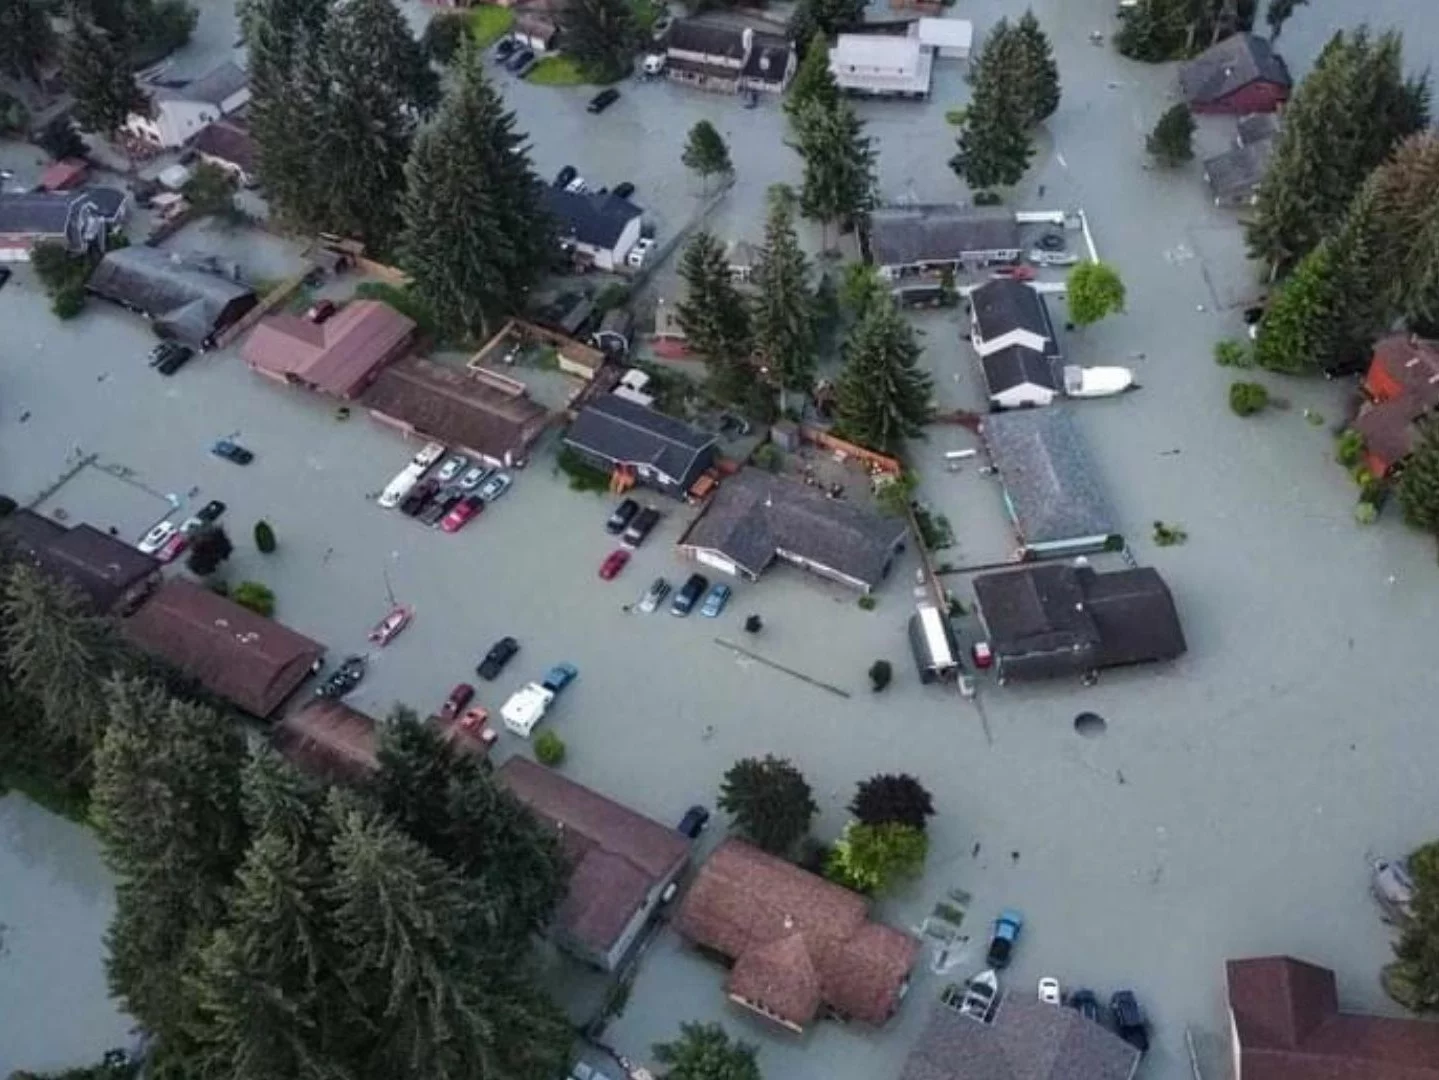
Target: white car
(429, 454)
(1049, 991)
(157, 537)
(192, 525)
(640, 252)
(474, 478)
(577, 186)
(495, 486)
(451, 469)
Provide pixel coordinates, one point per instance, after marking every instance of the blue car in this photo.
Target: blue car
(716, 600)
(559, 677)
(232, 451)
(1006, 933)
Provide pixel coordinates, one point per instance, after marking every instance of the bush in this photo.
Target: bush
(1231, 353)
(881, 672)
(211, 189)
(489, 23)
(614, 295)
(264, 537)
(867, 602)
(1365, 512)
(1168, 535)
(405, 302)
(1348, 448)
(68, 302)
(1247, 398)
(955, 116)
(767, 456)
(583, 476)
(549, 748)
(258, 598)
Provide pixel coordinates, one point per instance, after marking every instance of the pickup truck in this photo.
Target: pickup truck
(527, 705)
(1006, 933)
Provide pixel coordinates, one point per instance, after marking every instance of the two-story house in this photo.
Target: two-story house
(727, 59)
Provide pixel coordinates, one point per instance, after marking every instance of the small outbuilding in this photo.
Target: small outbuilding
(1235, 175)
(950, 39)
(339, 357)
(1241, 74)
(881, 65)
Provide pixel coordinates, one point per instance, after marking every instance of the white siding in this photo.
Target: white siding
(880, 65)
(1016, 397)
(1004, 341)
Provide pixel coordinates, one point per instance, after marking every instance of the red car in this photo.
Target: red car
(321, 311)
(614, 563)
(174, 548)
(461, 513)
(386, 629)
(459, 697)
(983, 655)
(1015, 273)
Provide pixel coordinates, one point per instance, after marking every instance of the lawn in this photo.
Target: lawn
(557, 71)
(489, 22)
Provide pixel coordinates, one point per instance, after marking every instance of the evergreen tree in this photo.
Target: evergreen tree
(1172, 140)
(994, 143)
(839, 166)
(1418, 487)
(1039, 72)
(602, 36)
(770, 801)
(892, 798)
(59, 139)
(705, 152)
(476, 237)
(209, 547)
(713, 313)
(1413, 978)
(1093, 290)
(814, 82)
(819, 19)
(1278, 12)
(1157, 30)
(883, 397)
(97, 73)
(706, 1052)
(784, 308)
(27, 40)
(1407, 204)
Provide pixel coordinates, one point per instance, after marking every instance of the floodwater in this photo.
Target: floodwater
(56, 899)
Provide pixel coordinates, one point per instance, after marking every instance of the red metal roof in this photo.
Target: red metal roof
(339, 356)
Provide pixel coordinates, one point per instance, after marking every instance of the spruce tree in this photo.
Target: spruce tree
(1407, 195)
(784, 307)
(1039, 72)
(602, 36)
(1418, 487)
(1157, 30)
(705, 152)
(476, 237)
(1277, 14)
(97, 73)
(27, 41)
(994, 143)
(713, 313)
(770, 801)
(839, 166)
(882, 395)
(819, 19)
(814, 82)
(1172, 140)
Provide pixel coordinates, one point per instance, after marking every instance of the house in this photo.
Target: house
(770, 64)
(706, 54)
(229, 145)
(1050, 489)
(1285, 1024)
(1063, 619)
(796, 944)
(535, 31)
(906, 241)
(329, 739)
(622, 864)
(1241, 74)
(1402, 385)
(1026, 1040)
(252, 662)
(742, 258)
(661, 452)
(1017, 377)
(479, 412)
(881, 65)
(109, 575)
(78, 219)
(179, 113)
(599, 228)
(756, 517)
(1390, 431)
(1005, 312)
(1234, 176)
(339, 357)
(949, 39)
(191, 301)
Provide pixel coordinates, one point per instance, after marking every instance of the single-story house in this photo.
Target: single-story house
(339, 357)
(1241, 74)
(331, 740)
(252, 662)
(770, 64)
(949, 39)
(910, 240)
(477, 411)
(660, 451)
(179, 113)
(621, 863)
(229, 145)
(1005, 312)
(600, 228)
(1027, 1039)
(756, 517)
(881, 65)
(1285, 1024)
(1061, 619)
(1051, 490)
(78, 219)
(707, 54)
(534, 31)
(796, 944)
(189, 301)
(1017, 377)
(1234, 176)
(109, 575)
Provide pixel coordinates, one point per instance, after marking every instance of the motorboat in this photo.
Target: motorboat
(396, 620)
(981, 993)
(343, 679)
(1088, 382)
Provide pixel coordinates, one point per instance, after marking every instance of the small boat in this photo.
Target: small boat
(343, 679)
(1393, 888)
(980, 994)
(385, 630)
(1088, 382)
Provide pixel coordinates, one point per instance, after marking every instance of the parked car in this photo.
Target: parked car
(1006, 933)
(623, 514)
(1049, 991)
(1014, 273)
(640, 252)
(1040, 257)
(232, 451)
(495, 486)
(1050, 242)
(433, 514)
(343, 679)
(715, 601)
(388, 628)
(559, 677)
(565, 175)
(1085, 1004)
(419, 498)
(211, 511)
(459, 697)
(474, 477)
(654, 595)
(321, 310)
(452, 468)
(522, 57)
(429, 454)
(613, 564)
(506, 48)
(642, 525)
(461, 513)
(625, 190)
(1129, 1020)
(500, 654)
(694, 822)
(174, 359)
(689, 594)
(158, 536)
(603, 100)
(174, 547)
(983, 655)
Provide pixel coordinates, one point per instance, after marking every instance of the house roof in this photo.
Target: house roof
(593, 219)
(1256, 128)
(769, 58)
(456, 407)
(626, 433)
(1135, 613)
(1018, 366)
(245, 658)
(1390, 429)
(1412, 363)
(889, 51)
(1230, 65)
(797, 940)
(331, 739)
(1236, 173)
(186, 299)
(1288, 1026)
(338, 356)
(1027, 1040)
(231, 142)
(946, 33)
(101, 567)
(754, 515)
(707, 38)
(212, 88)
(1048, 477)
(618, 856)
(58, 213)
(1003, 305)
(905, 235)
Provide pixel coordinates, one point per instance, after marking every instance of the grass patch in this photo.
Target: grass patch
(489, 23)
(557, 71)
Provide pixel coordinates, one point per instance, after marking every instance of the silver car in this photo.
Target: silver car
(654, 595)
(451, 469)
(473, 478)
(495, 486)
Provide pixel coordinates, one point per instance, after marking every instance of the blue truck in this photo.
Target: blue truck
(1006, 933)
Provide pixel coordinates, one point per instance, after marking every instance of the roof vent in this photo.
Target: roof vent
(789, 922)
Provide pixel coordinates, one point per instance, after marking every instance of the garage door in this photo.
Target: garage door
(717, 562)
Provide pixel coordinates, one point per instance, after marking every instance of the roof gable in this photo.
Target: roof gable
(188, 299)
(1016, 366)
(1230, 65)
(1003, 305)
(593, 219)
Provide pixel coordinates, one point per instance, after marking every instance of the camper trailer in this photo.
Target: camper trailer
(936, 653)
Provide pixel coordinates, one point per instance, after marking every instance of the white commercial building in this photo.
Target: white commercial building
(879, 65)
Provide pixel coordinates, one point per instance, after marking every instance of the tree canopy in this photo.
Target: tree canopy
(27, 40)
(97, 73)
(882, 394)
(839, 163)
(770, 802)
(1172, 140)
(602, 36)
(705, 152)
(1416, 967)
(1094, 290)
(890, 798)
(1277, 13)
(814, 82)
(1039, 73)
(1418, 487)
(706, 1052)
(713, 314)
(784, 307)
(813, 21)
(873, 858)
(994, 141)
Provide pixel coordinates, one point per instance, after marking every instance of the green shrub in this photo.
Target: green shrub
(1168, 535)
(1231, 353)
(615, 294)
(264, 537)
(258, 598)
(881, 672)
(955, 116)
(987, 198)
(867, 602)
(406, 303)
(1365, 512)
(442, 37)
(767, 456)
(1247, 398)
(68, 302)
(583, 476)
(549, 748)
(489, 23)
(1348, 448)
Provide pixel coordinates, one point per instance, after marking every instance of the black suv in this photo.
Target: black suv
(500, 654)
(1129, 1020)
(623, 515)
(603, 100)
(689, 594)
(641, 526)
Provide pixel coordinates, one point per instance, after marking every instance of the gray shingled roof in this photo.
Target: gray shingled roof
(769, 58)
(1028, 1040)
(1235, 173)
(706, 38)
(186, 300)
(626, 433)
(1047, 475)
(1233, 63)
(1018, 366)
(905, 235)
(1256, 127)
(212, 88)
(754, 514)
(1002, 305)
(597, 220)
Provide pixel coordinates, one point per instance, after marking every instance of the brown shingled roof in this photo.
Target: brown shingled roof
(245, 658)
(339, 356)
(1413, 363)
(1389, 430)
(330, 739)
(785, 928)
(104, 569)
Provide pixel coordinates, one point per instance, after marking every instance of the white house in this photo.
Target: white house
(1018, 378)
(881, 65)
(950, 39)
(1005, 312)
(599, 228)
(179, 113)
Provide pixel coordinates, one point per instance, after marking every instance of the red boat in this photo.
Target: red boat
(398, 618)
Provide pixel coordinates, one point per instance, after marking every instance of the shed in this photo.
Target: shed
(1235, 175)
